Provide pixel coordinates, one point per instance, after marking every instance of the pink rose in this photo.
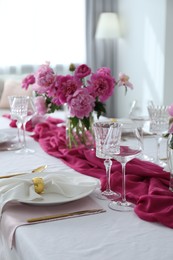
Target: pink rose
(124, 81)
(81, 104)
(28, 80)
(101, 85)
(82, 71)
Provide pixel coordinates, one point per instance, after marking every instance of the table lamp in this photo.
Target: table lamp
(107, 26)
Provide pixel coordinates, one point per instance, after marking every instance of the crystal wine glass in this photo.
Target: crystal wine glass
(140, 120)
(159, 124)
(101, 130)
(22, 109)
(18, 124)
(130, 148)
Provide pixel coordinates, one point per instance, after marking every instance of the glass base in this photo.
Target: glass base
(9, 146)
(16, 146)
(25, 151)
(161, 163)
(121, 206)
(171, 189)
(147, 158)
(104, 195)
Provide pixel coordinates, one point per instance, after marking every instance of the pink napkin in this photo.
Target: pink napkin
(16, 214)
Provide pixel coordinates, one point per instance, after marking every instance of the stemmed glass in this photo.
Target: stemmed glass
(18, 124)
(22, 109)
(130, 148)
(140, 120)
(101, 130)
(159, 124)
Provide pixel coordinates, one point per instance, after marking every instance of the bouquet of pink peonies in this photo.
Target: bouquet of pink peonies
(83, 91)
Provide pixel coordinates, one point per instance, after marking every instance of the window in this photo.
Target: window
(35, 31)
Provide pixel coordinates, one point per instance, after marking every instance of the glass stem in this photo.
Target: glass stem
(24, 136)
(171, 182)
(19, 125)
(158, 140)
(123, 182)
(108, 165)
(141, 131)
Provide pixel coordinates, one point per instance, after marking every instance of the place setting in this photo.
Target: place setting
(45, 196)
(45, 188)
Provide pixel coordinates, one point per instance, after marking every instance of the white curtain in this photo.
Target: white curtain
(35, 31)
(103, 52)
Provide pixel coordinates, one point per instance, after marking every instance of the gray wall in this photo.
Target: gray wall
(145, 53)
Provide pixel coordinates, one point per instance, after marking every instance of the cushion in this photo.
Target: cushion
(1, 86)
(12, 88)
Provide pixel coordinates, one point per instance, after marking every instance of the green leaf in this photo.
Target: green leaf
(99, 108)
(51, 106)
(74, 121)
(86, 122)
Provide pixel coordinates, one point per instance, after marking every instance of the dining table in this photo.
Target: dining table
(107, 235)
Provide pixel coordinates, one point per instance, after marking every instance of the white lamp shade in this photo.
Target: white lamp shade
(108, 26)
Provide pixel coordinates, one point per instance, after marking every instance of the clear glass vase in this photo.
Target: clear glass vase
(79, 132)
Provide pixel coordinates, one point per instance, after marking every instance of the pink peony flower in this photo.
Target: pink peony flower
(28, 80)
(81, 104)
(101, 85)
(170, 110)
(40, 105)
(124, 81)
(45, 79)
(82, 71)
(59, 89)
(104, 70)
(66, 86)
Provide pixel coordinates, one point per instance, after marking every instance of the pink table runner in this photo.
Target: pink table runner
(146, 183)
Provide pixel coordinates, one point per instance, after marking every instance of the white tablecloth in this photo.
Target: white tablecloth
(109, 236)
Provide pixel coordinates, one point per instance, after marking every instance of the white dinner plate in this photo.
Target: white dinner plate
(55, 198)
(6, 135)
(2, 137)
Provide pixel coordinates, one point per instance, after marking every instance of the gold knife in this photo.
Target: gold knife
(39, 169)
(76, 213)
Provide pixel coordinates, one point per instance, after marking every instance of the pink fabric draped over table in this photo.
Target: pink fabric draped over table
(146, 183)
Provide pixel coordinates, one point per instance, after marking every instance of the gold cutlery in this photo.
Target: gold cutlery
(38, 169)
(76, 213)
